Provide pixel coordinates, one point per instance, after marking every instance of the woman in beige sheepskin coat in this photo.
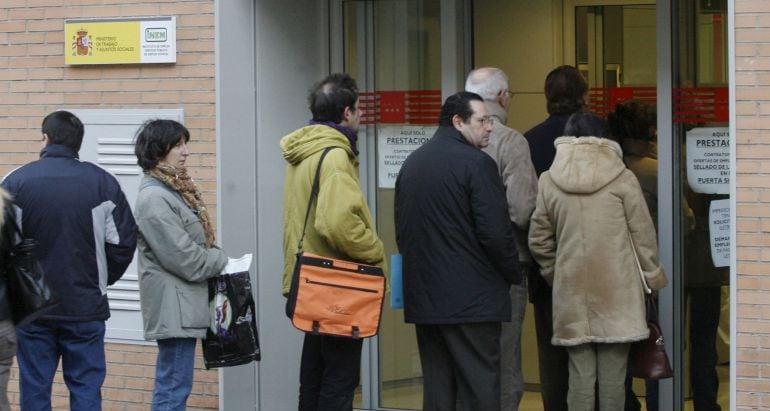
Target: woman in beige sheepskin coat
(587, 204)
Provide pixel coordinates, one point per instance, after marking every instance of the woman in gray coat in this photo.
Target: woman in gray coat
(177, 254)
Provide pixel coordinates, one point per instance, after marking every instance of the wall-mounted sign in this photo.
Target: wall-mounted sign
(394, 144)
(708, 160)
(719, 230)
(120, 40)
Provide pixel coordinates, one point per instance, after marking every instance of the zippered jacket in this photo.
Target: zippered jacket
(174, 264)
(83, 224)
(455, 234)
(340, 225)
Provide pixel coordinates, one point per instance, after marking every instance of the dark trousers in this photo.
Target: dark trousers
(650, 399)
(329, 373)
(460, 362)
(705, 307)
(553, 360)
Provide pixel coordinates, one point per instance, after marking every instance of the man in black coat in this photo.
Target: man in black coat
(459, 257)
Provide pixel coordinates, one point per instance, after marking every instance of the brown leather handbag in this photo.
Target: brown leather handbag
(335, 297)
(648, 358)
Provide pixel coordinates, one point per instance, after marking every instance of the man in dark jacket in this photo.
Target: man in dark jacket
(565, 91)
(459, 257)
(86, 239)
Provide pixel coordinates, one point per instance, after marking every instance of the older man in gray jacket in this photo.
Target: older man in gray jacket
(510, 151)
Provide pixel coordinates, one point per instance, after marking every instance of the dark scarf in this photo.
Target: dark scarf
(178, 180)
(350, 134)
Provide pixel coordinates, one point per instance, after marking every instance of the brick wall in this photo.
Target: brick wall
(130, 380)
(35, 81)
(752, 82)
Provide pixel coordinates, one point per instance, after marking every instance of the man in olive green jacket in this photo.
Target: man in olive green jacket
(339, 226)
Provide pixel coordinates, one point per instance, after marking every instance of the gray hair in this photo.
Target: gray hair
(487, 82)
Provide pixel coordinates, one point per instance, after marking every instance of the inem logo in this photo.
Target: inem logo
(155, 34)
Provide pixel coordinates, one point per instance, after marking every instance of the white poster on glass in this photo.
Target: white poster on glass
(719, 230)
(708, 160)
(394, 144)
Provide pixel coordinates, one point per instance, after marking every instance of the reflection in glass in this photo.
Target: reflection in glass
(402, 39)
(702, 145)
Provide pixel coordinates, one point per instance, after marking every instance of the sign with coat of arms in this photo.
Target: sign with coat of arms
(120, 40)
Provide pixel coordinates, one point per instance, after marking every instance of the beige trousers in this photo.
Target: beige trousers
(602, 363)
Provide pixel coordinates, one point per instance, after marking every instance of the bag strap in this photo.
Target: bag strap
(313, 194)
(645, 287)
(651, 306)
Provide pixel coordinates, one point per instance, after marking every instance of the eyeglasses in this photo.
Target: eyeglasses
(509, 93)
(486, 120)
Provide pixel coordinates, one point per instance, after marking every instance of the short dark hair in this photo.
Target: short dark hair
(330, 96)
(565, 89)
(633, 119)
(155, 139)
(65, 128)
(583, 124)
(459, 104)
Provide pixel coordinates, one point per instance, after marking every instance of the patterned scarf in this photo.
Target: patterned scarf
(178, 180)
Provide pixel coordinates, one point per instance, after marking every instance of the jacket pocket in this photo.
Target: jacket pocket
(193, 307)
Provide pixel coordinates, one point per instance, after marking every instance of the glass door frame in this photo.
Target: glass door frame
(456, 61)
(671, 317)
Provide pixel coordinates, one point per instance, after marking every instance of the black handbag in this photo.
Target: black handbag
(28, 292)
(232, 337)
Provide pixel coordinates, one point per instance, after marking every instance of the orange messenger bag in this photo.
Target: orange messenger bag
(334, 297)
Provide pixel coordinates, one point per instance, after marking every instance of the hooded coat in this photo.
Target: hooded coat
(340, 224)
(589, 206)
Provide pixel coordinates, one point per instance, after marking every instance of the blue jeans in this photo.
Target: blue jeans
(79, 344)
(173, 374)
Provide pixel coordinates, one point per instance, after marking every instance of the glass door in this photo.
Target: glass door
(396, 52)
(406, 56)
(615, 50)
(701, 147)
